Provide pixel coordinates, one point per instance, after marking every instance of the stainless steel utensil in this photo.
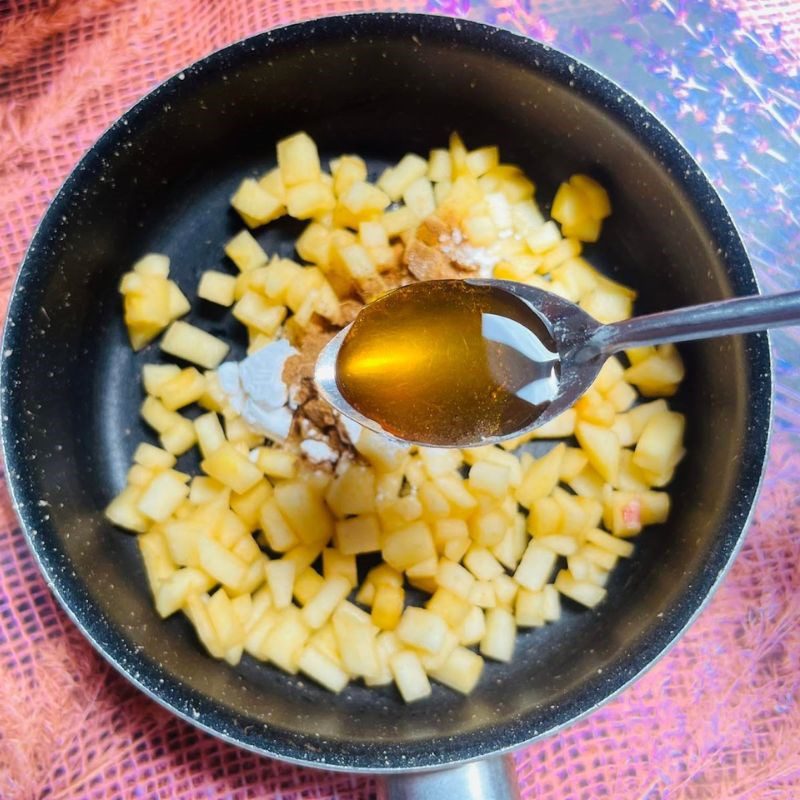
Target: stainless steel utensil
(583, 344)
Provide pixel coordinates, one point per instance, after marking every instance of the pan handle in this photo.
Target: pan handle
(493, 778)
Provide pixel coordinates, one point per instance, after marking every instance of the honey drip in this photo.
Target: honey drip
(443, 362)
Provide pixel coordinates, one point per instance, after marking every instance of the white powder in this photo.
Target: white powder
(255, 389)
(482, 259)
(261, 374)
(318, 451)
(274, 423)
(230, 383)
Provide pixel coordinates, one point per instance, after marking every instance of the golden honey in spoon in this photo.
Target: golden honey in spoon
(442, 362)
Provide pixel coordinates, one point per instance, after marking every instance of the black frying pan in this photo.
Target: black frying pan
(160, 180)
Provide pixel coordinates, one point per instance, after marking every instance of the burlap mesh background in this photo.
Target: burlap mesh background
(717, 718)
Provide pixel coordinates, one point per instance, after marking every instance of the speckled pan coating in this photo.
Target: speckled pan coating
(159, 179)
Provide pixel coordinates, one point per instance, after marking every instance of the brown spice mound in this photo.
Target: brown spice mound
(299, 367)
(314, 418)
(350, 308)
(371, 287)
(427, 263)
(433, 230)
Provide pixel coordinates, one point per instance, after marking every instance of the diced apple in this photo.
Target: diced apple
(602, 448)
(452, 608)
(298, 159)
(286, 639)
(179, 437)
(461, 670)
(451, 575)
(276, 463)
(661, 442)
(227, 465)
(358, 535)
(529, 609)
(352, 491)
(583, 592)
(192, 344)
(336, 563)
(280, 579)
(245, 251)
(409, 675)
(541, 477)
(220, 563)
(491, 478)
(175, 590)
(536, 566)
(322, 669)
(123, 510)
(182, 389)
(305, 511)
(482, 564)
(217, 287)
(356, 642)
(227, 626)
(164, 494)
(158, 563)
(407, 546)
(277, 531)
(319, 608)
(500, 636)
(387, 606)
(255, 204)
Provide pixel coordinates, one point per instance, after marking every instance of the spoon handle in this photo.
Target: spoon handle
(723, 317)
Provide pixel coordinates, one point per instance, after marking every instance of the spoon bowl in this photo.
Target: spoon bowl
(569, 325)
(582, 345)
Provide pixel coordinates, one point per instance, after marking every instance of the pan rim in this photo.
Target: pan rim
(663, 634)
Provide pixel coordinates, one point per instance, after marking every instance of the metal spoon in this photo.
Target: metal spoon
(583, 343)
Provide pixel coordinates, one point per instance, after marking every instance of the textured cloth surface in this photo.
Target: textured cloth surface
(718, 716)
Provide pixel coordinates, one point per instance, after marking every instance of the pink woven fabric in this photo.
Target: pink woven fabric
(717, 718)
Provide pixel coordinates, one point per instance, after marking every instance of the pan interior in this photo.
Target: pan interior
(161, 182)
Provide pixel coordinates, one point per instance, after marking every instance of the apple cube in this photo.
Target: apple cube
(660, 444)
(452, 608)
(321, 606)
(602, 448)
(280, 579)
(482, 564)
(192, 344)
(231, 468)
(408, 546)
(218, 562)
(286, 640)
(355, 639)
(164, 494)
(409, 675)
(352, 491)
(305, 511)
(536, 566)
(541, 477)
(158, 563)
(322, 669)
(123, 510)
(217, 287)
(500, 636)
(583, 592)
(387, 606)
(255, 204)
(298, 159)
(358, 535)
